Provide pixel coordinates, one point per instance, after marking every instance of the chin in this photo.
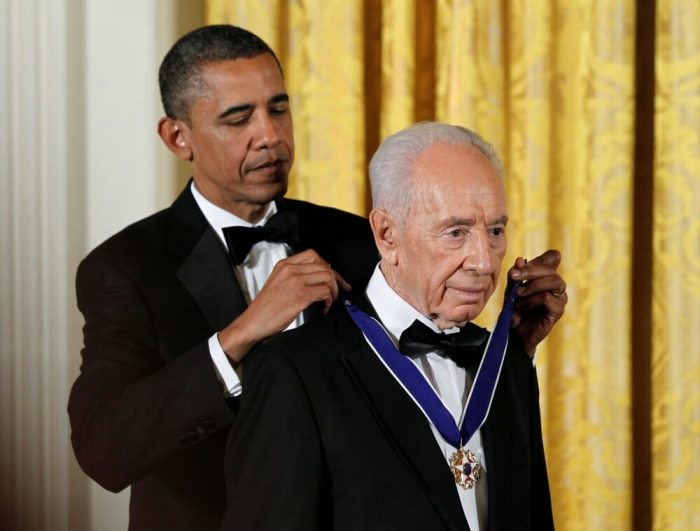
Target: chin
(459, 317)
(450, 321)
(280, 187)
(270, 192)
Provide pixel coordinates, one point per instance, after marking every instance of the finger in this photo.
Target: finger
(327, 304)
(344, 284)
(288, 270)
(552, 283)
(305, 257)
(320, 273)
(515, 272)
(334, 289)
(308, 264)
(309, 275)
(551, 258)
(545, 264)
(554, 305)
(519, 263)
(299, 296)
(317, 293)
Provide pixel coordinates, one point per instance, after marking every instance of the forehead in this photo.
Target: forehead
(450, 179)
(245, 78)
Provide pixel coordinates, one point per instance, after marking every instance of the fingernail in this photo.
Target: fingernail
(517, 273)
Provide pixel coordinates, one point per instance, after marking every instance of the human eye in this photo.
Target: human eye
(279, 107)
(456, 233)
(454, 237)
(497, 235)
(237, 120)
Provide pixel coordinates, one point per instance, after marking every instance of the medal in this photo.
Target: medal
(465, 468)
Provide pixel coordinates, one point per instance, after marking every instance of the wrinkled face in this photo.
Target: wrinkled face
(240, 134)
(448, 251)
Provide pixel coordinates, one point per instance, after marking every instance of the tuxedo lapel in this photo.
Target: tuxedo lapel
(497, 438)
(207, 275)
(404, 425)
(205, 268)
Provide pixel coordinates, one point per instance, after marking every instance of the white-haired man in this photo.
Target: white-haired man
(395, 411)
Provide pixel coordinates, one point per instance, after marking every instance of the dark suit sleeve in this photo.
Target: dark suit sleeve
(274, 461)
(131, 410)
(542, 518)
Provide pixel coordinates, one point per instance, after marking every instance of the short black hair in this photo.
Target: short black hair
(179, 74)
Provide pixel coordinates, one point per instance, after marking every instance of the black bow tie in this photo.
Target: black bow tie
(283, 227)
(463, 347)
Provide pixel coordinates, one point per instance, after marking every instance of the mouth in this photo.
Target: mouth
(467, 295)
(269, 166)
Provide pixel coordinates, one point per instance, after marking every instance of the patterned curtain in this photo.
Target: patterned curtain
(675, 328)
(559, 86)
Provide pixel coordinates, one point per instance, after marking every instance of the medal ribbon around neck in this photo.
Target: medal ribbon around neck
(483, 388)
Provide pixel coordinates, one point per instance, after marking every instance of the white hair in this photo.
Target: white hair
(394, 162)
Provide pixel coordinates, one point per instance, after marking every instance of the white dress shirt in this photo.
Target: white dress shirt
(251, 275)
(450, 382)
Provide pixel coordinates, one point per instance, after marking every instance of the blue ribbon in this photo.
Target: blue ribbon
(483, 388)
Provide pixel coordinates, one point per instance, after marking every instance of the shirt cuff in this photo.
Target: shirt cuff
(230, 382)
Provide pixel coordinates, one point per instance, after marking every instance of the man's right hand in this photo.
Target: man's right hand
(294, 284)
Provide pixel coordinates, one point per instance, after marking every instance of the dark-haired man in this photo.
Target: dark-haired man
(174, 302)
(169, 312)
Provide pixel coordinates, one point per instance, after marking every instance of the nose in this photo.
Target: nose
(479, 256)
(268, 134)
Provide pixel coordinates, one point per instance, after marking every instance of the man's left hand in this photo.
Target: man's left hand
(540, 299)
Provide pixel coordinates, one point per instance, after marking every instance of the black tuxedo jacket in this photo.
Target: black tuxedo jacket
(147, 409)
(327, 439)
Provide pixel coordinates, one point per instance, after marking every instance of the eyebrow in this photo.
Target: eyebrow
(279, 98)
(503, 220)
(247, 106)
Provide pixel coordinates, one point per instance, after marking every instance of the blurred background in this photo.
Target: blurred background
(594, 106)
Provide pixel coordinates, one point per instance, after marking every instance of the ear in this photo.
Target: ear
(175, 135)
(384, 229)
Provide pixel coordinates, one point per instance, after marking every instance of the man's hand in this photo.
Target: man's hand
(294, 284)
(541, 298)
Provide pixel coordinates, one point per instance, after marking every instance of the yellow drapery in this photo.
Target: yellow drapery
(676, 275)
(552, 84)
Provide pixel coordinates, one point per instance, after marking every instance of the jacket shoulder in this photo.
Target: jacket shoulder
(132, 246)
(177, 226)
(316, 342)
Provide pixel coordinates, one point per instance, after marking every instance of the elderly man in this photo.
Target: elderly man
(396, 412)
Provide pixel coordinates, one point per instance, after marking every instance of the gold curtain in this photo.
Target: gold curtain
(552, 84)
(676, 275)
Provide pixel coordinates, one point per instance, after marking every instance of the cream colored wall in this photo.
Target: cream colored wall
(79, 159)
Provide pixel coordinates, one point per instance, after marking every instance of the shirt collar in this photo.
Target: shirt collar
(219, 218)
(395, 313)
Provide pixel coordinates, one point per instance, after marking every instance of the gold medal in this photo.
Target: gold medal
(465, 468)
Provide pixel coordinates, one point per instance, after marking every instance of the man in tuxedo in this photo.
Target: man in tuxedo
(173, 302)
(413, 423)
